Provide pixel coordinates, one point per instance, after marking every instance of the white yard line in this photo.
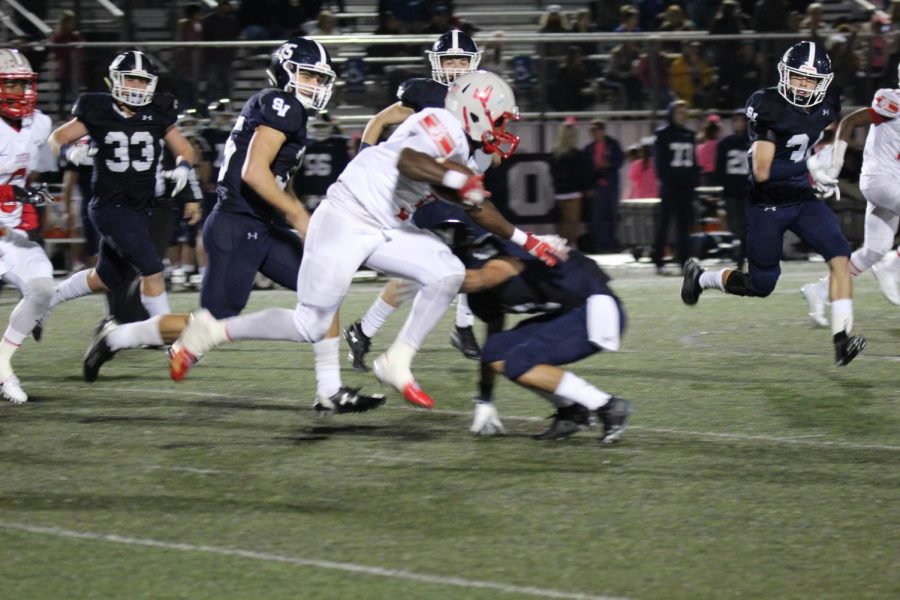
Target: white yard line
(301, 562)
(712, 435)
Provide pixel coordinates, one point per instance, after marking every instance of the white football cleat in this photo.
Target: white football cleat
(487, 420)
(401, 378)
(12, 390)
(887, 272)
(203, 333)
(816, 295)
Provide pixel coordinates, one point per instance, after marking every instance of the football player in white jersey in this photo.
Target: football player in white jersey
(23, 263)
(366, 219)
(879, 182)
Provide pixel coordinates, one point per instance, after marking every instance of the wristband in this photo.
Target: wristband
(454, 179)
(364, 145)
(184, 163)
(518, 237)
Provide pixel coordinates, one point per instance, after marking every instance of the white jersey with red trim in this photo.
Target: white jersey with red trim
(881, 156)
(19, 153)
(376, 182)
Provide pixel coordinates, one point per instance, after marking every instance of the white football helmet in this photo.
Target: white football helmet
(483, 103)
(15, 68)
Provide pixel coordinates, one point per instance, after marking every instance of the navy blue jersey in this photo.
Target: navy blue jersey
(278, 110)
(538, 288)
(128, 148)
(732, 167)
(323, 162)
(794, 131)
(674, 153)
(421, 93)
(214, 154)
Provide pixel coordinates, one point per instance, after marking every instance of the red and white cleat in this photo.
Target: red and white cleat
(180, 361)
(402, 380)
(202, 334)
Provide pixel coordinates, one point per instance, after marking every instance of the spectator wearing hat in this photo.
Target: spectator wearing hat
(605, 157)
(690, 76)
(628, 20)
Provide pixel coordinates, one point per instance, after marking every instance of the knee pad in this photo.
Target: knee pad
(40, 290)
(738, 284)
(313, 321)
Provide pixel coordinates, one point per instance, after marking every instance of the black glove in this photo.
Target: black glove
(35, 194)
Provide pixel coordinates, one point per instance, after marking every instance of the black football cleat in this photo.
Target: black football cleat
(38, 331)
(98, 351)
(690, 287)
(614, 416)
(347, 400)
(463, 339)
(846, 348)
(567, 421)
(359, 346)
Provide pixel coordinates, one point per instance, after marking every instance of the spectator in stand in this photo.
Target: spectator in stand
(569, 167)
(628, 20)
(701, 12)
(642, 172)
(733, 174)
(492, 54)
(729, 20)
(674, 20)
(68, 68)
(649, 13)
(571, 88)
(874, 55)
(388, 24)
(583, 25)
(653, 69)
(441, 21)
(553, 20)
(605, 157)
(706, 149)
(815, 19)
(795, 20)
(220, 25)
(325, 24)
(187, 58)
(606, 14)
(845, 65)
(622, 73)
(743, 76)
(770, 16)
(690, 76)
(676, 165)
(411, 15)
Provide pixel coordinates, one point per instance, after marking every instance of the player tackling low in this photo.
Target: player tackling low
(366, 219)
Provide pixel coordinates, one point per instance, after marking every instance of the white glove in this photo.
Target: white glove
(487, 420)
(825, 166)
(77, 153)
(824, 191)
(179, 175)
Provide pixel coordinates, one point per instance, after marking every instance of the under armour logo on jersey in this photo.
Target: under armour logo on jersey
(252, 235)
(769, 209)
(147, 117)
(825, 112)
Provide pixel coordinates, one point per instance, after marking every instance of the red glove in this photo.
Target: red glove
(541, 249)
(472, 193)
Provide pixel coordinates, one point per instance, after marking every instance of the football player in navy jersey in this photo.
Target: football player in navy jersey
(786, 121)
(327, 154)
(451, 55)
(126, 127)
(577, 315)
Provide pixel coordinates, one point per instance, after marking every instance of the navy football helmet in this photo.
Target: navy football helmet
(453, 44)
(303, 54)
(133, 64)
(804, 59)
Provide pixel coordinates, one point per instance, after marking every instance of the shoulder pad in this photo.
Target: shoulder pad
(165, 102)
(887, 103)
(762, 108)
(282, 111)
(88, 102)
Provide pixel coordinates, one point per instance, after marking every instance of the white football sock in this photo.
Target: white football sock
(401, 353)
(713, 279)
(135, 335)
(841, 315)
(156, 305)
(576, 389)
(7, 349)
(328, 366)
(75, 286)
(464, 316)
(376, 317)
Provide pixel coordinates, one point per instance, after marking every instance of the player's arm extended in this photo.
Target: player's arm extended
(179, 145)
(492, 274)
(66, 134)
(763, 153)
(256, 172)
(862, 117)
(393, 114)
